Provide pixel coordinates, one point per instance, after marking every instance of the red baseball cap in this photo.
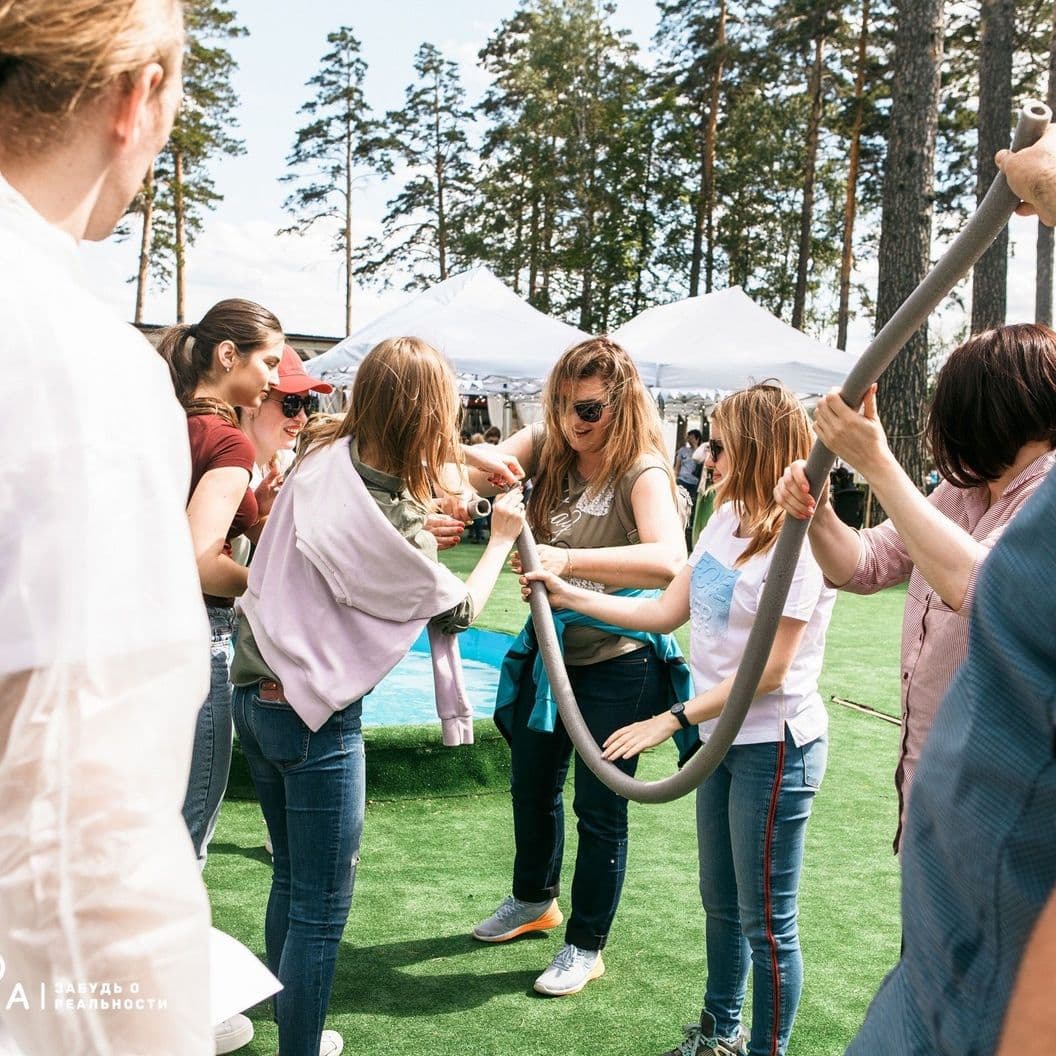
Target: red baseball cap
(294, 379)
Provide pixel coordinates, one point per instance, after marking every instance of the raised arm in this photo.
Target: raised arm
(835, 545)
(515, 449)
(944, 553)
(1031, 174)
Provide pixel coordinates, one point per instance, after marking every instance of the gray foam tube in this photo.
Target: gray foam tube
(984, 226)
(480, 508)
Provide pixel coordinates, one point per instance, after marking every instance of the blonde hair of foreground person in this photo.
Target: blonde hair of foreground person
(103, 919)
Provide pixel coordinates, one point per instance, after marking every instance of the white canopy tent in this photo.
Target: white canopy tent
(497, 343)
(723, 341)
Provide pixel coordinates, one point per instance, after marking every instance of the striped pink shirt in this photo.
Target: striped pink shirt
(934, 637)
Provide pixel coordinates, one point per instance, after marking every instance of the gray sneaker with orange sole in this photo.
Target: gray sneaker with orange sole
(514, 917)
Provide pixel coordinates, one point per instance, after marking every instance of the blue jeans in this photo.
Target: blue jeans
(211, 754)
(312, 789)
(751, 822)
(610, 695)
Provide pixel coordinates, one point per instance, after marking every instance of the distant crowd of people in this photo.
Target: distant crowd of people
(191, 549)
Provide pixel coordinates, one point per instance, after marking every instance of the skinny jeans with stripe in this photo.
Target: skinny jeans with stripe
(751, 822)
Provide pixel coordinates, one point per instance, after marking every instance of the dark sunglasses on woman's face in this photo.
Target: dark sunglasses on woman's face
(716, 449)
(589, 410)
(292, 403)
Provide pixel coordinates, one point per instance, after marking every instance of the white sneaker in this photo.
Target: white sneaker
(330, 1044)
(233, 1033)
(570, 971)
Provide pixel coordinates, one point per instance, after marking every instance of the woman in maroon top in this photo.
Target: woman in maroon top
(229, 359)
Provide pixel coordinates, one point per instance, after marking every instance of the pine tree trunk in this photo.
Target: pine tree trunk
(905, 234)
(348, 225)
(990, 276)
(850, 207)
(710, 145)
(143, 274)
(806, 216)
(696, 256)
(441, 218)
(180, 219)
(1043, 275)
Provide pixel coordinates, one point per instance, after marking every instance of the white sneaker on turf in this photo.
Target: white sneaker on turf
(330, 1044)
(231, 1034)
(570, 971)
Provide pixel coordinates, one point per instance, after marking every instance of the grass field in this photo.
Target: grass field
(411, 981)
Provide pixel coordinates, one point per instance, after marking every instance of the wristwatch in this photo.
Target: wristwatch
(678, 709)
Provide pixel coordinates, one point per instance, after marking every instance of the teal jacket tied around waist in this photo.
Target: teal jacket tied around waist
(524, 660)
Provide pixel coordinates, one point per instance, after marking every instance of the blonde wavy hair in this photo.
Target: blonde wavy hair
(633, 425)
(405, 409)
(57, 54)
(764, 428)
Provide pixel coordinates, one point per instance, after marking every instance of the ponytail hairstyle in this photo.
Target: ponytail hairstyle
(405, 409)
(191, 350)
(57, 54)
(764, 428)
(634, 425)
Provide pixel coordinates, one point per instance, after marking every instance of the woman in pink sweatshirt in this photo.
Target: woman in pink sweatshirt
(343, 580)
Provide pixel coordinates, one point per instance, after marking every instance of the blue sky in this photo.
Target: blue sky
(239, 252)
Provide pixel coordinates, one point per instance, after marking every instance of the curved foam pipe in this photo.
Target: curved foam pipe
(983, 227)
(480, 508)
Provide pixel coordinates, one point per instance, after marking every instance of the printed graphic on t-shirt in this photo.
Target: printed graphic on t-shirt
(711, 595)
(564, 518)
(567, 516)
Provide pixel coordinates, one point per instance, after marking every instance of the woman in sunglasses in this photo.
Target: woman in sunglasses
(752, 812)
(229, 359)
(274, 426)
(603, 508)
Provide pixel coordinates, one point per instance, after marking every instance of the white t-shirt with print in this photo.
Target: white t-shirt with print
(723, 600)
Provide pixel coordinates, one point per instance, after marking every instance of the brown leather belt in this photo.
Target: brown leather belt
(269, 689)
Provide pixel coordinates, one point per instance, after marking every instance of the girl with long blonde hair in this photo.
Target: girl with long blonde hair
(603, 508)
(343, 580)
(753, 810)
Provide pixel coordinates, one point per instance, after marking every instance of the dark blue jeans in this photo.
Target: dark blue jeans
(752, 818)
(610, 695)
(312, 790)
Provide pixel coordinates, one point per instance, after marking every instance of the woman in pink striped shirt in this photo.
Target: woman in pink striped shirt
(992, 429)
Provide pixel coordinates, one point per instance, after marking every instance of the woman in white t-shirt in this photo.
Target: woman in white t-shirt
(752, 812)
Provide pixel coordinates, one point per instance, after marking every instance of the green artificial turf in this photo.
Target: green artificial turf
(436, 856)
(409, 979)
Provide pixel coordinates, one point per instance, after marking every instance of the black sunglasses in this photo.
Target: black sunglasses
(292, 403)
(589, 410)
(716, 449)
